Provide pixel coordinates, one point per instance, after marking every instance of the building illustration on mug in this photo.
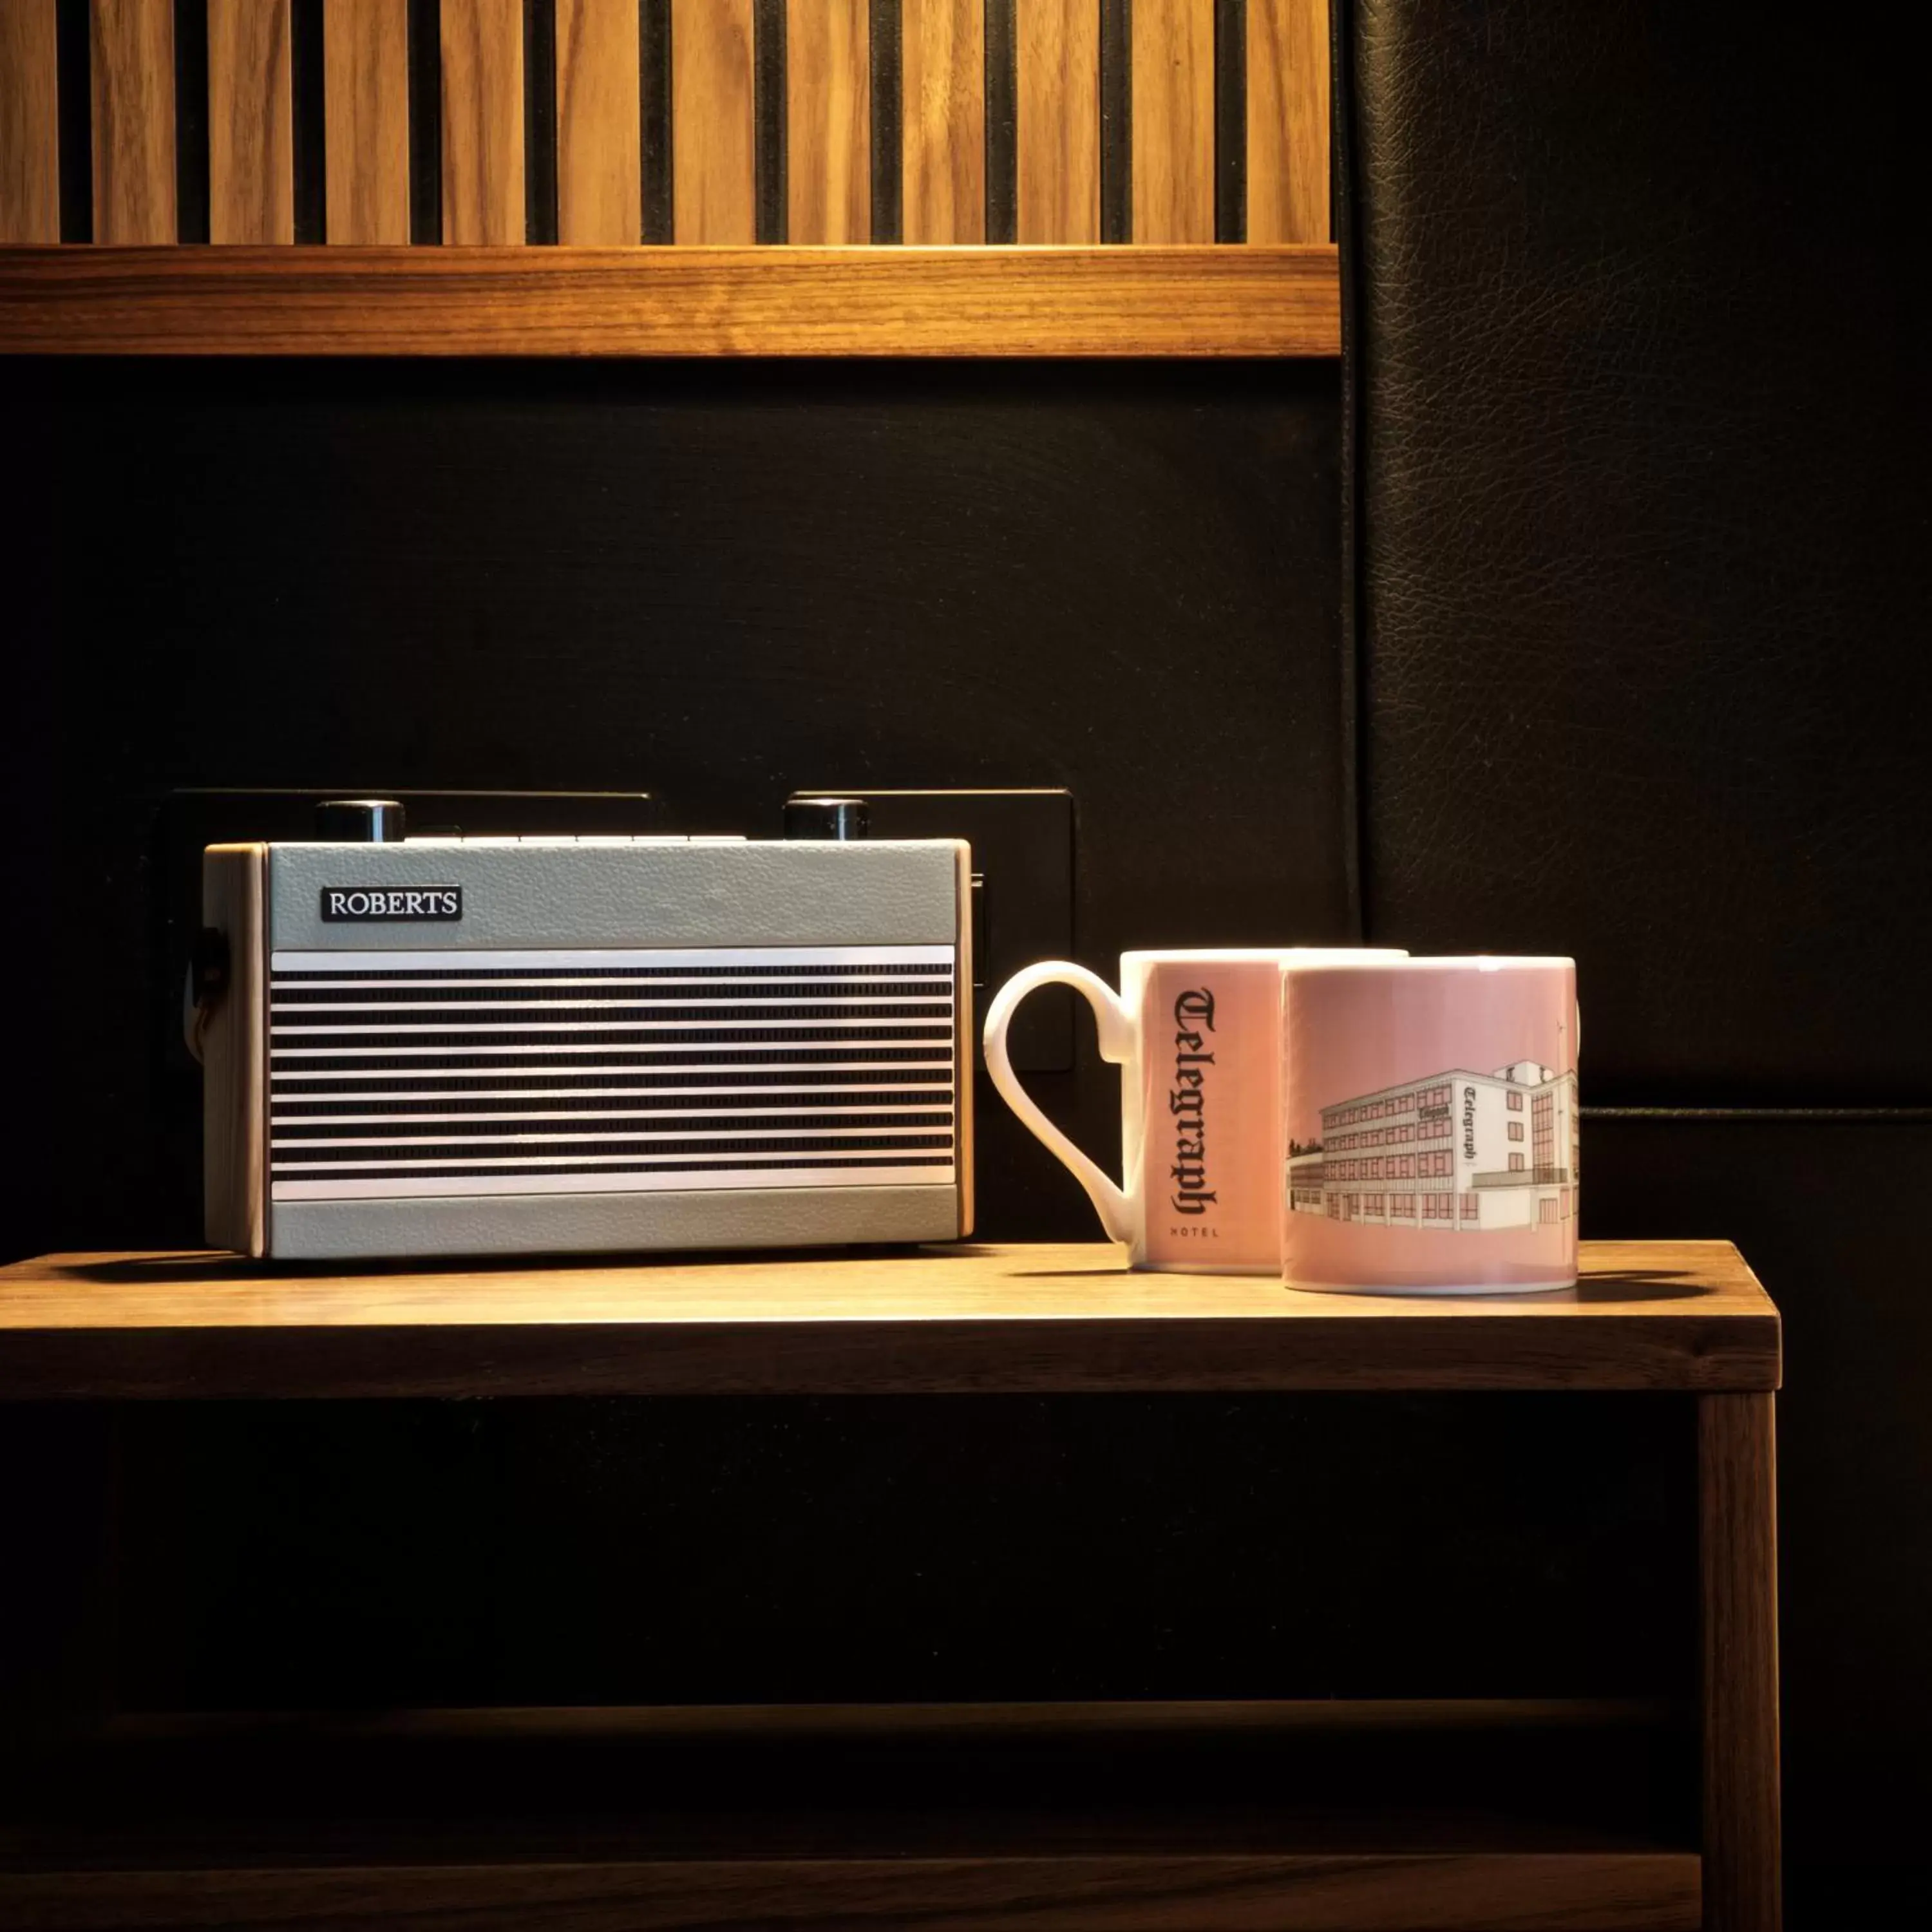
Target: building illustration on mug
(1454, 1151)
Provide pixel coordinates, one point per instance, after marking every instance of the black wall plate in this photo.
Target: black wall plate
(1022, 843)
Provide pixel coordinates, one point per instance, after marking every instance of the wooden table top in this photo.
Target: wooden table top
(1678, 1315)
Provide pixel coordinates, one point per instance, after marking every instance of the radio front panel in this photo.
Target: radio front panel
(448, 1046)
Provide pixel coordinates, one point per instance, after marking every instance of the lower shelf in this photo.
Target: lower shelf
(1582, 1891)
(1334, 1817)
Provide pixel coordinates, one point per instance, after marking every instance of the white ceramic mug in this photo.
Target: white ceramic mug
(1197, 1036)
(1432, 1127)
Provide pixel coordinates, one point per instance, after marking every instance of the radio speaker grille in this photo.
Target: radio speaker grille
(464, 1072)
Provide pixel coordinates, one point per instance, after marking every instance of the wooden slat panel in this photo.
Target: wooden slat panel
(599, 129)
(133, 45)
(671, 301)
(29, 122)
(1059, 120)
(482, 122)
(944, 77)
(1288, 121)
(251, 179)
(1174, 120)
(1065, 1317)
(829, 114)
(714, 159)
(366, 85)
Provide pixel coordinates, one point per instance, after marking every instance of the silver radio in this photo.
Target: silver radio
(442, 1046)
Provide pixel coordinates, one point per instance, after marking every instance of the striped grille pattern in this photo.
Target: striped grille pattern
(395, 1074)
(596, 122)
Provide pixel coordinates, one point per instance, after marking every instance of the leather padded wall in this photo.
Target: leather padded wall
(1637, 386)
(1640, 377)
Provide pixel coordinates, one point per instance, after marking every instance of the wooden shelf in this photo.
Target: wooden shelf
(1007, 301)
(1453, 1815)
(1647, 1890)
(1685, 1315)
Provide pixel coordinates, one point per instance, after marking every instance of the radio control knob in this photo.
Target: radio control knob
(826, 818)
(360, 821)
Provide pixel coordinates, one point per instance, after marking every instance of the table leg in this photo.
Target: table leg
(1737, 1529)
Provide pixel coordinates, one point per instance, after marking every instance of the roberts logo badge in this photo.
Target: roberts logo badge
(363, 902)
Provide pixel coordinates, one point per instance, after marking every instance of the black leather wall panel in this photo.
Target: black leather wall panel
(713, 583)
(1639, 384)
(1831, 1216)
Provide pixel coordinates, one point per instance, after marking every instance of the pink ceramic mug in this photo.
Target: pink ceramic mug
(1431, 1126)
(1197, 1037)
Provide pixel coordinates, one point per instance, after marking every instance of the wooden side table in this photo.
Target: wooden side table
(1688, 1317)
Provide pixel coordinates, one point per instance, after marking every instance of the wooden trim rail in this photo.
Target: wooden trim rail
(1205, 301)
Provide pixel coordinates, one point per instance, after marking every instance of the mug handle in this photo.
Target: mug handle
(1117, 1030)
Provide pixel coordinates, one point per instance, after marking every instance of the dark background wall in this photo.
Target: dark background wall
(1636, 665)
